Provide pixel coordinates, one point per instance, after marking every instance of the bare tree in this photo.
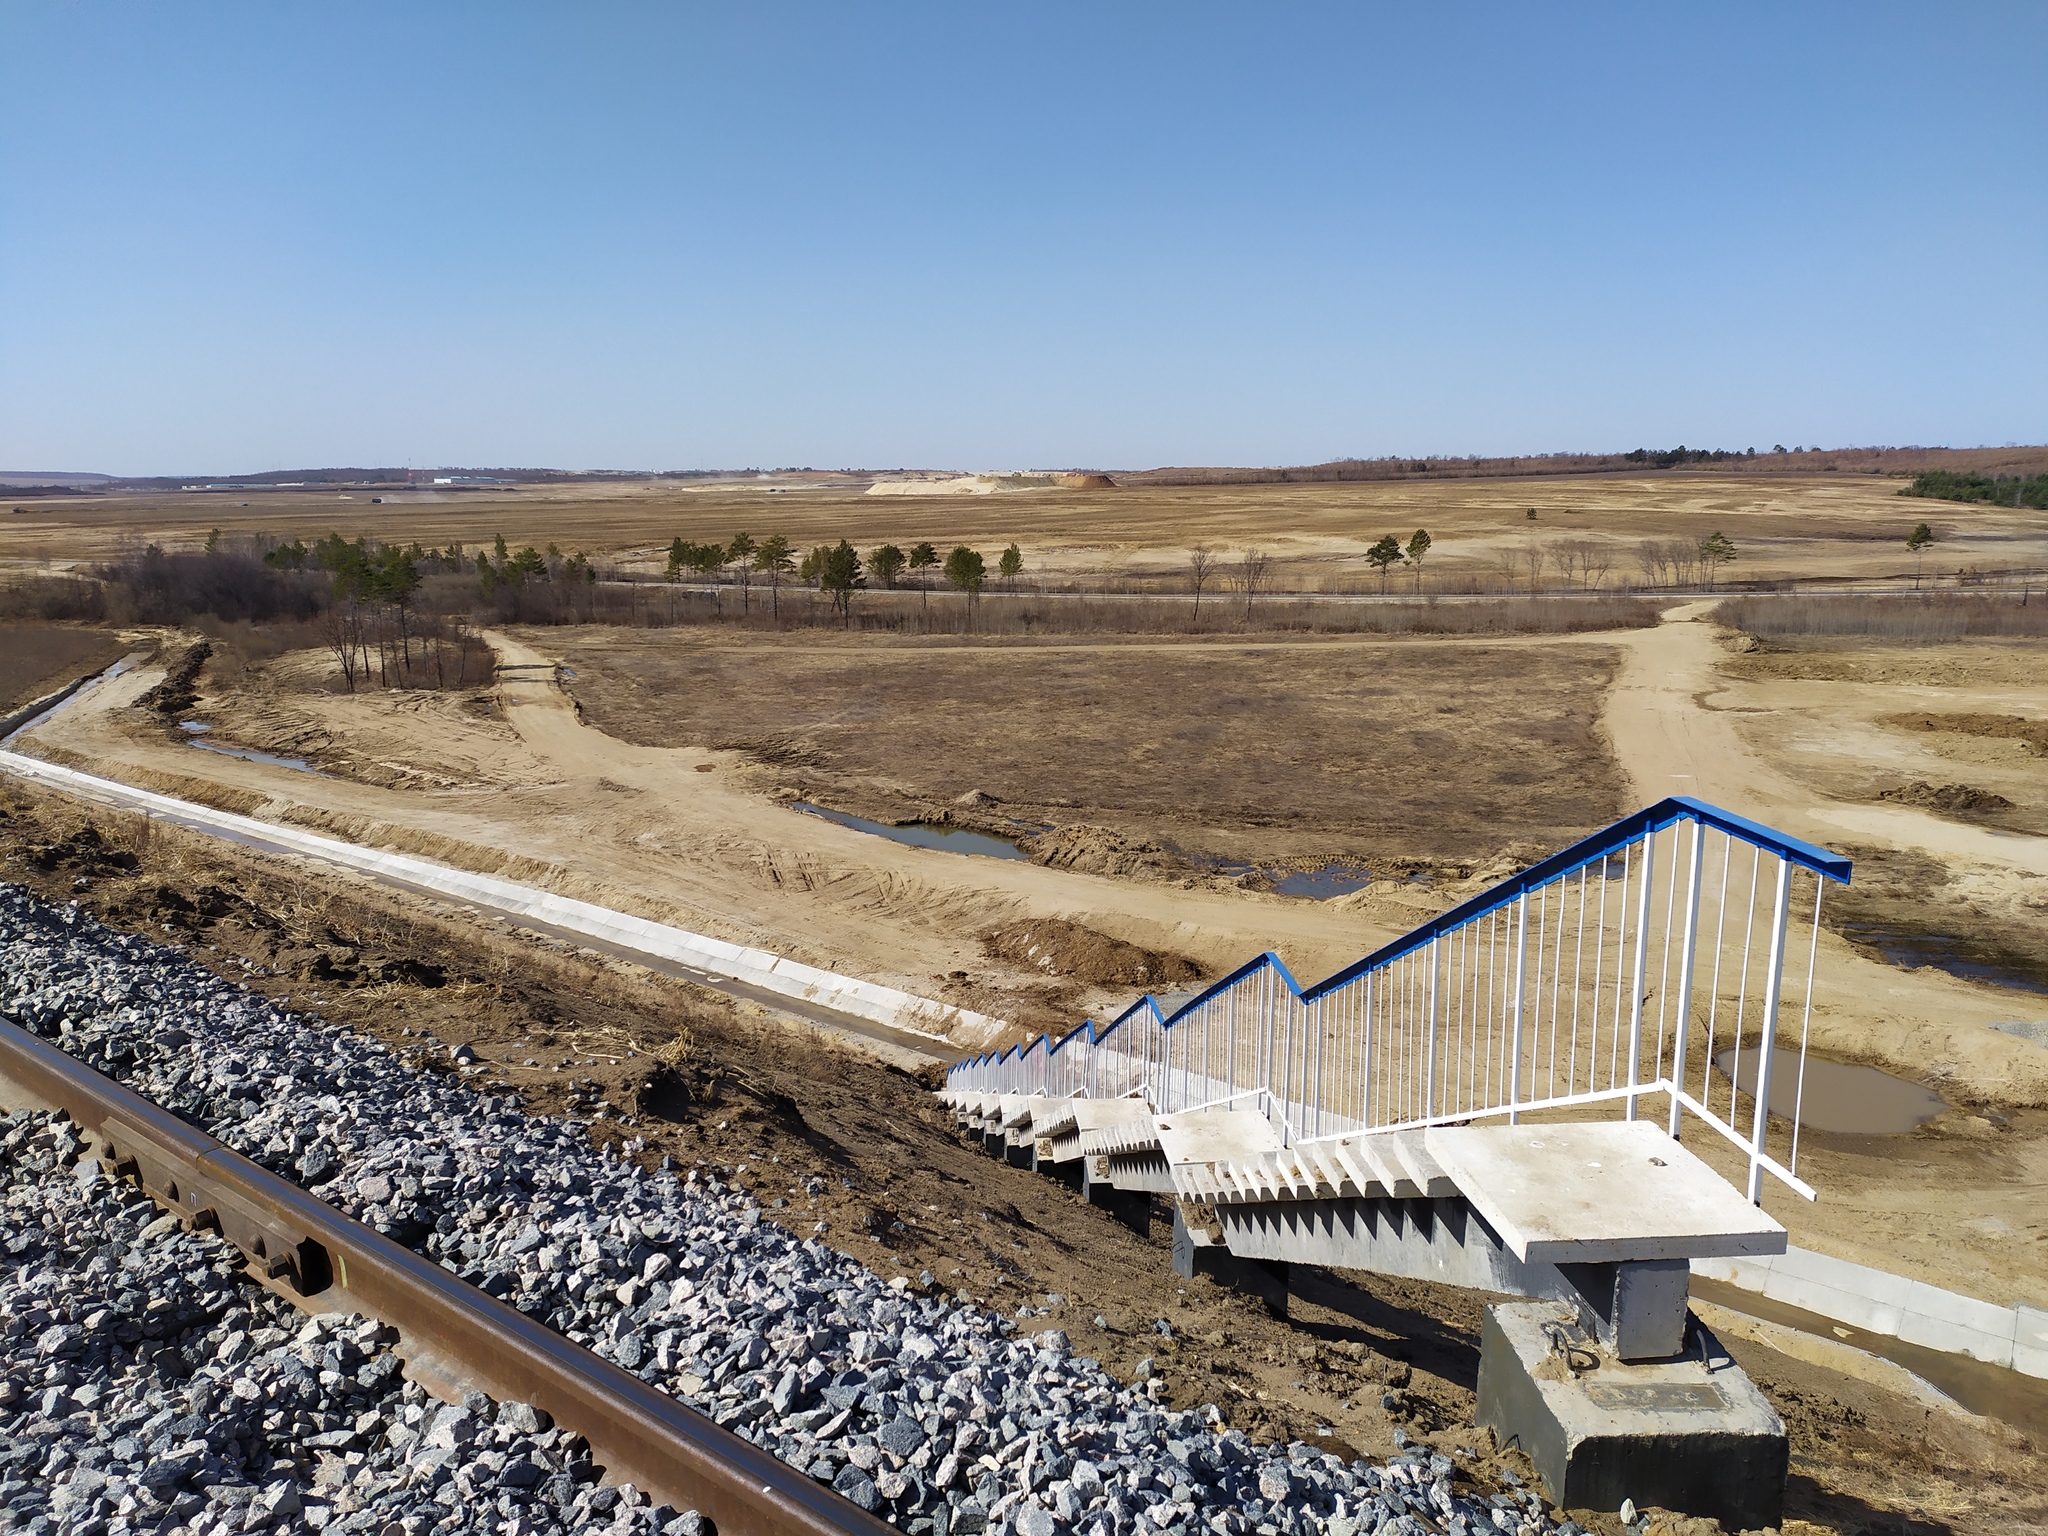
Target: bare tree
(1650, 560)
(1683, 556)
(1200, 561)
(341, 627)
(1569, 560)
(1251, 575)
(1598, 560)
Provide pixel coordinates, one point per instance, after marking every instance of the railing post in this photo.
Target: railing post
(1685, 959)
(1767, 1052)
(1230, 1036)
(1635, 1002)
(1436, 965)
(1521, 979)
(1365, 1067)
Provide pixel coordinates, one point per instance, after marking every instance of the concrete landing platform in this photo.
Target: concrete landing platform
(1216, 1136)
(1691, 1433)
(1600, 1194)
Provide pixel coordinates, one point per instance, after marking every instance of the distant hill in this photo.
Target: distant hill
(1862, 461)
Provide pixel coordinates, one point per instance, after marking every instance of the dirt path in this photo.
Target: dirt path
(650, 830)
(1675, 736)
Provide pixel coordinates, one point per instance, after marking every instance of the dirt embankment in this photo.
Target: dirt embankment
(825, 1136)
(2033, 734)
(36, 659)
(1065, 949)
(1949, 799)
(863, 1149)
(179, 690)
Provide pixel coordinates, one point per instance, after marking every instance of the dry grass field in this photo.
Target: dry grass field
(1386, 752)
(1816, 526)
(36, 658)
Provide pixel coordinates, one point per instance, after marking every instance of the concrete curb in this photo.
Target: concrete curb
(1893, 1306)
(773, 973)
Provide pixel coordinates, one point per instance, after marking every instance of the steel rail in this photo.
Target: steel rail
(452, 1336)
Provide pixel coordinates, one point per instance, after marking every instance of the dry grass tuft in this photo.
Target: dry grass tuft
(1931, 618)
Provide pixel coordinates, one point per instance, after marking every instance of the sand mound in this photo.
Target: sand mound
(1092, 850)
(1952, 798)
(987, 485)
(1060, 948)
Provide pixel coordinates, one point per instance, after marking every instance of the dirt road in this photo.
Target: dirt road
(1674, 723)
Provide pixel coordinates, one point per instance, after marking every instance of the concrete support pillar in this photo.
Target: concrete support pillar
(1132, 1207)
(1636, 1310)
(1689, 1433)
(1195, 1252)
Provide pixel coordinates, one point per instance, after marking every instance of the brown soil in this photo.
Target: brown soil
(1094, 850)
(179, 690)
(36, 659)
(1061, 948)
(864, 1149)
(2034, 733)
(1952, 799)
(1903, 894)
(1260, 750)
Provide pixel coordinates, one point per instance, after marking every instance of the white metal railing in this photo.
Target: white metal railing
(1621, 968)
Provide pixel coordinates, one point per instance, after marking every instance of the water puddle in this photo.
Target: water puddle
(251, 755)
(194, 725)
(1322, 884)
(1970, 962)
(69, 696)
(1311, 884)
(1854, 1101)
(919, 834)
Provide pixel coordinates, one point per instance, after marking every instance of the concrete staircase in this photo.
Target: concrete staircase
(1605, 1215)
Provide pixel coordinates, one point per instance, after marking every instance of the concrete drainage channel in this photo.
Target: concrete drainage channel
(348, 1180)
(916, 1028)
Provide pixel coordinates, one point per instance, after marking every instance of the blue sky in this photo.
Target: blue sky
(235, 238)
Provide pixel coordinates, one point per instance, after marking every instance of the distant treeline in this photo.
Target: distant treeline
(1405, 467)
(1999, 490)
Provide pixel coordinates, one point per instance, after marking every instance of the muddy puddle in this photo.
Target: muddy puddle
(251, 755)
(1312, 884)
(1970, 962)
(923, 834)
(1321, 884)
(1850, 1101)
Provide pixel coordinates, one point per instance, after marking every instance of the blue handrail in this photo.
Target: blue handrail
(1586, 851)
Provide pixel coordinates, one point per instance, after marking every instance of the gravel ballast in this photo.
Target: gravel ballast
(937, 1416)
(150, 1385)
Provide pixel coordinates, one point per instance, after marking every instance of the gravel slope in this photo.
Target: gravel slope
(150, 1386)
(934, 1415)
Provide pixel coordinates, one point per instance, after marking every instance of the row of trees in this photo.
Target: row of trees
(1997, 490)
(836, 570)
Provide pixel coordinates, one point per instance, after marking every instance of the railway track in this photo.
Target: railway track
(453, 1339)
(720, 1364)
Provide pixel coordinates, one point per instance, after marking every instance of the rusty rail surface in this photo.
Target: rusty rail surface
(452, 1336)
